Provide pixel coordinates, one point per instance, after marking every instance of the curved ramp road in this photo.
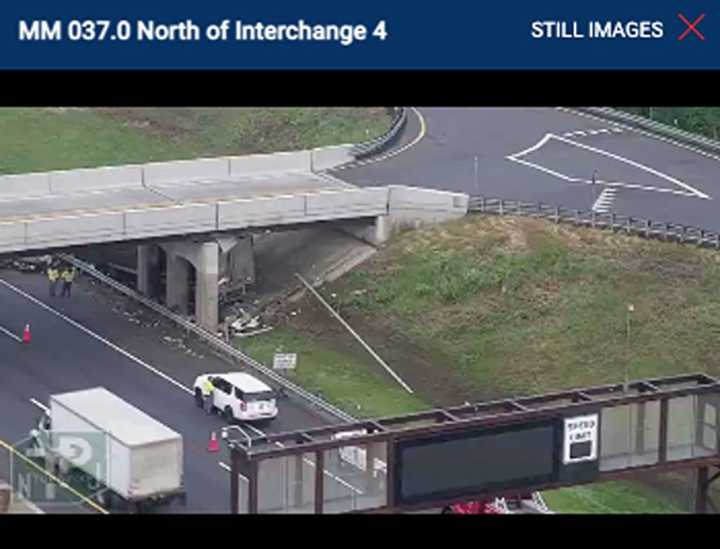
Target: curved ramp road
(552, 155)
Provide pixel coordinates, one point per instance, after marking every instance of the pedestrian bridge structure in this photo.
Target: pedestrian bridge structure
(197, 211)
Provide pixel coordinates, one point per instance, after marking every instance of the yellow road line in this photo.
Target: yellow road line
(60, 482)
(391, 154)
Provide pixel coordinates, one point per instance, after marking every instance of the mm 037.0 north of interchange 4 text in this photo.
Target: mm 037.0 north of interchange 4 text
(97, 30)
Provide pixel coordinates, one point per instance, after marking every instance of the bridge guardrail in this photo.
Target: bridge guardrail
(214, 341)
(665, 130)
(646, 228)
(362, 150)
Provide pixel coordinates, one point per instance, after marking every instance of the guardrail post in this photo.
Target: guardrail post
(592, 218)
(647, 228)
(557, 214)
(628, 225)
(667, 232)
(500, 210)
(576, 217)
(612, 222)
(717, 241)
(701, 239)
(682, 233)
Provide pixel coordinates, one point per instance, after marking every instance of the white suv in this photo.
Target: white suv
(239, 396)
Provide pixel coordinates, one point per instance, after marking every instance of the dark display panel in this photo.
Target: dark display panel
(475, 462)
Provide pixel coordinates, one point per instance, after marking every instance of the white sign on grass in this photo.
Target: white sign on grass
(581, 439)
(284, 361)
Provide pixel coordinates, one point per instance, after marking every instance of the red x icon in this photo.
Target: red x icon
(691, 27)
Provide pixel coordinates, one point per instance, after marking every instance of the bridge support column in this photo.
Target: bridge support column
(206, 286)
(148, 269)
(177, 289)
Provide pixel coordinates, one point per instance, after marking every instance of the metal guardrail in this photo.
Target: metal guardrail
(614, 115)
(213, 340)
(638, 226)
(361, 150)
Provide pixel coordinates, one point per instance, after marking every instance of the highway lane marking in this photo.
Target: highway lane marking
(137, 361)
(689, 190)
(97, 337)
(52, 477)
(604, 202)
(10, 334)
(643, 132)
(39, 405)
(638, 165)
(391, 154)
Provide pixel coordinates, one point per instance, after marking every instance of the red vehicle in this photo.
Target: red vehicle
(472, 508)
(489, 507)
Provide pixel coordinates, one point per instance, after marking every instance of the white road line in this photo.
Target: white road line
(97, 337)
(535, 147)
(620, 127)
(634, 164)
(39, 405)
(690, 191)
(144, 365)
(604, 201)
(10, 334)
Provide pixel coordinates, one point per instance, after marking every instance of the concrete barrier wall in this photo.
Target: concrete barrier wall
(266, 163)
(416, 199)
(31, 184)
(350, 203)
(74, 230)
(159, 173)
(12, 235)
(191, 218)
(261, 211)
(72, 181)
(331, 157)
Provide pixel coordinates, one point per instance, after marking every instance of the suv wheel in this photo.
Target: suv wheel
(228, 414)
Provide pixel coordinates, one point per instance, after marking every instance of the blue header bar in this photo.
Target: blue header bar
(372, 34)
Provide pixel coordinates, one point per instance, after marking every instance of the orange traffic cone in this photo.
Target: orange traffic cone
(26, 334)
(213, 445)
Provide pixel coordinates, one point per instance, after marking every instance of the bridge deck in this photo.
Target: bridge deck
(205, 190)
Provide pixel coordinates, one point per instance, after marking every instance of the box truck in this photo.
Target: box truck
(116, 452)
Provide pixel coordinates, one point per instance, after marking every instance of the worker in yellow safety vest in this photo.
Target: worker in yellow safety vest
(68, 275)
(53, 275)
(208, 389)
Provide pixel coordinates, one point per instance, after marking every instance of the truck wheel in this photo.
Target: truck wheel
(199, 398)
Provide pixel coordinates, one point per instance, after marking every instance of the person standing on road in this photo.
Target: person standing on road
(68, 275)
(208, 389)
(53, 275)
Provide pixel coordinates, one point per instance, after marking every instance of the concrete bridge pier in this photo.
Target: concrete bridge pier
(204, 257)
(148, 270)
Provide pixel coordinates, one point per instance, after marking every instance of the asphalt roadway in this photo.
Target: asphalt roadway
(62, 357)
(550, 155)
(532, 154)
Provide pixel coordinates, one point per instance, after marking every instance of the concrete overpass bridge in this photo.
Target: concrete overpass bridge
(200, 213)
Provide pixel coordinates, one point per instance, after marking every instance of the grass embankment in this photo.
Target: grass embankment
(491, 307)
(41, 139)
(702, 120)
